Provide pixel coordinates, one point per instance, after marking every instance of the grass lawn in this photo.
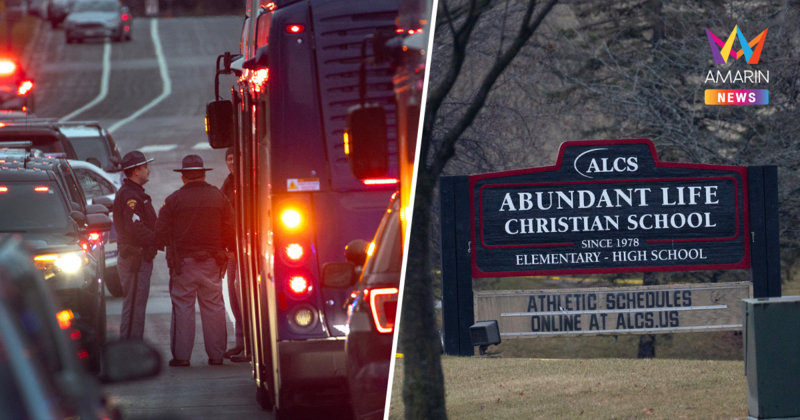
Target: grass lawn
(502, 388)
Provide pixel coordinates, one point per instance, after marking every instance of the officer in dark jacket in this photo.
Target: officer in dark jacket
(196, 223)
(135, 222)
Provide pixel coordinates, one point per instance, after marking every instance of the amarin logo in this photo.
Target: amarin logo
(752, 55)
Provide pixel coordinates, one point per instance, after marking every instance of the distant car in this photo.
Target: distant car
(16, 89)
(93, 143)
(41, 376)
(41, 201)
(99, 184)
(371, 318)
(98, 19)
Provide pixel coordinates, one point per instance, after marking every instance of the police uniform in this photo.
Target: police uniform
(135, 222)
(196, 223)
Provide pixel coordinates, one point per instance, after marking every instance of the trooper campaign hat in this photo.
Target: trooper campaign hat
(134, 159)
(192, 163)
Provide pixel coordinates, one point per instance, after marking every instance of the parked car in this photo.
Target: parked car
(371, 317)
(41, 376)
(98, 19)
(43, 135)
(101, 187)
(93, 143)
(42, 201)
(16, 89)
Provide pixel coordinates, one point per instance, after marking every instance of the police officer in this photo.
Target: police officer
(135, 222)
(196, 223)
(234, 353)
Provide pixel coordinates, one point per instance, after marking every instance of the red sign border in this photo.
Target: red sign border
(741, 170)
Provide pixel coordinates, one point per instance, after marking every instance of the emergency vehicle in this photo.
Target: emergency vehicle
(296, 200)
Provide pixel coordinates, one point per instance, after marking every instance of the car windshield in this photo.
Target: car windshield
(91, 149)
(31, 206)
(96, 6)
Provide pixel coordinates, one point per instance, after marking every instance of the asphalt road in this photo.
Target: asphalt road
(154, 103)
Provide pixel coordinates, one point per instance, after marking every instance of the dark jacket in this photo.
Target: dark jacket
(228, 189)
(199, 218)
(135, 219)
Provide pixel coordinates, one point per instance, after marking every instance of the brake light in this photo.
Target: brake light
(383, 303)
(381, 181)
(295, 29)
(299, 285)
(94, 236)
(75, 335)
(295, 252)
(83, 355)
(7, 67)
(65, 318)
(25, 87)
(41, 189)
(399, 30)
(125, 16)
(291, 218)
(3, 189)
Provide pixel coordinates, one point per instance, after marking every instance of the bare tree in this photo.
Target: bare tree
(423, 390)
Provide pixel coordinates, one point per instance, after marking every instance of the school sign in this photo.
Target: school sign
(606, 206)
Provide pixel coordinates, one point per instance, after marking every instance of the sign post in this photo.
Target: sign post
(607, 206)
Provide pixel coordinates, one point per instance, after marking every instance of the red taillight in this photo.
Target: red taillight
(381, 181)
(83, 355)
(295, 252)
(125, 16)
(295, 29)
(7, 67)
(85, 246)
(41, 189)
(75, 335)
(25, 87)
(399, 30)
(3, 189)
(383, 303)
(298, 285)
(94, 236)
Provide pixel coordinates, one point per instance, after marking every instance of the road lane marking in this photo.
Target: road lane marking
(155, 148)
(165, 80)
(103, 84)
(203, 145)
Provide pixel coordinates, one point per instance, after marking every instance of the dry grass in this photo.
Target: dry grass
(497, 388)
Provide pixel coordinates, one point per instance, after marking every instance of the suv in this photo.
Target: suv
(93, 144)
(41, 200)
(43, 136)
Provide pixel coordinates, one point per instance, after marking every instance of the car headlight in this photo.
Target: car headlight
(69, 262)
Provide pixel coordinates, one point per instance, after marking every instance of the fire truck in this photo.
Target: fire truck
(297, 202)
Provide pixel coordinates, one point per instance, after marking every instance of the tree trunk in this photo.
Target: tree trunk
(423, 385)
